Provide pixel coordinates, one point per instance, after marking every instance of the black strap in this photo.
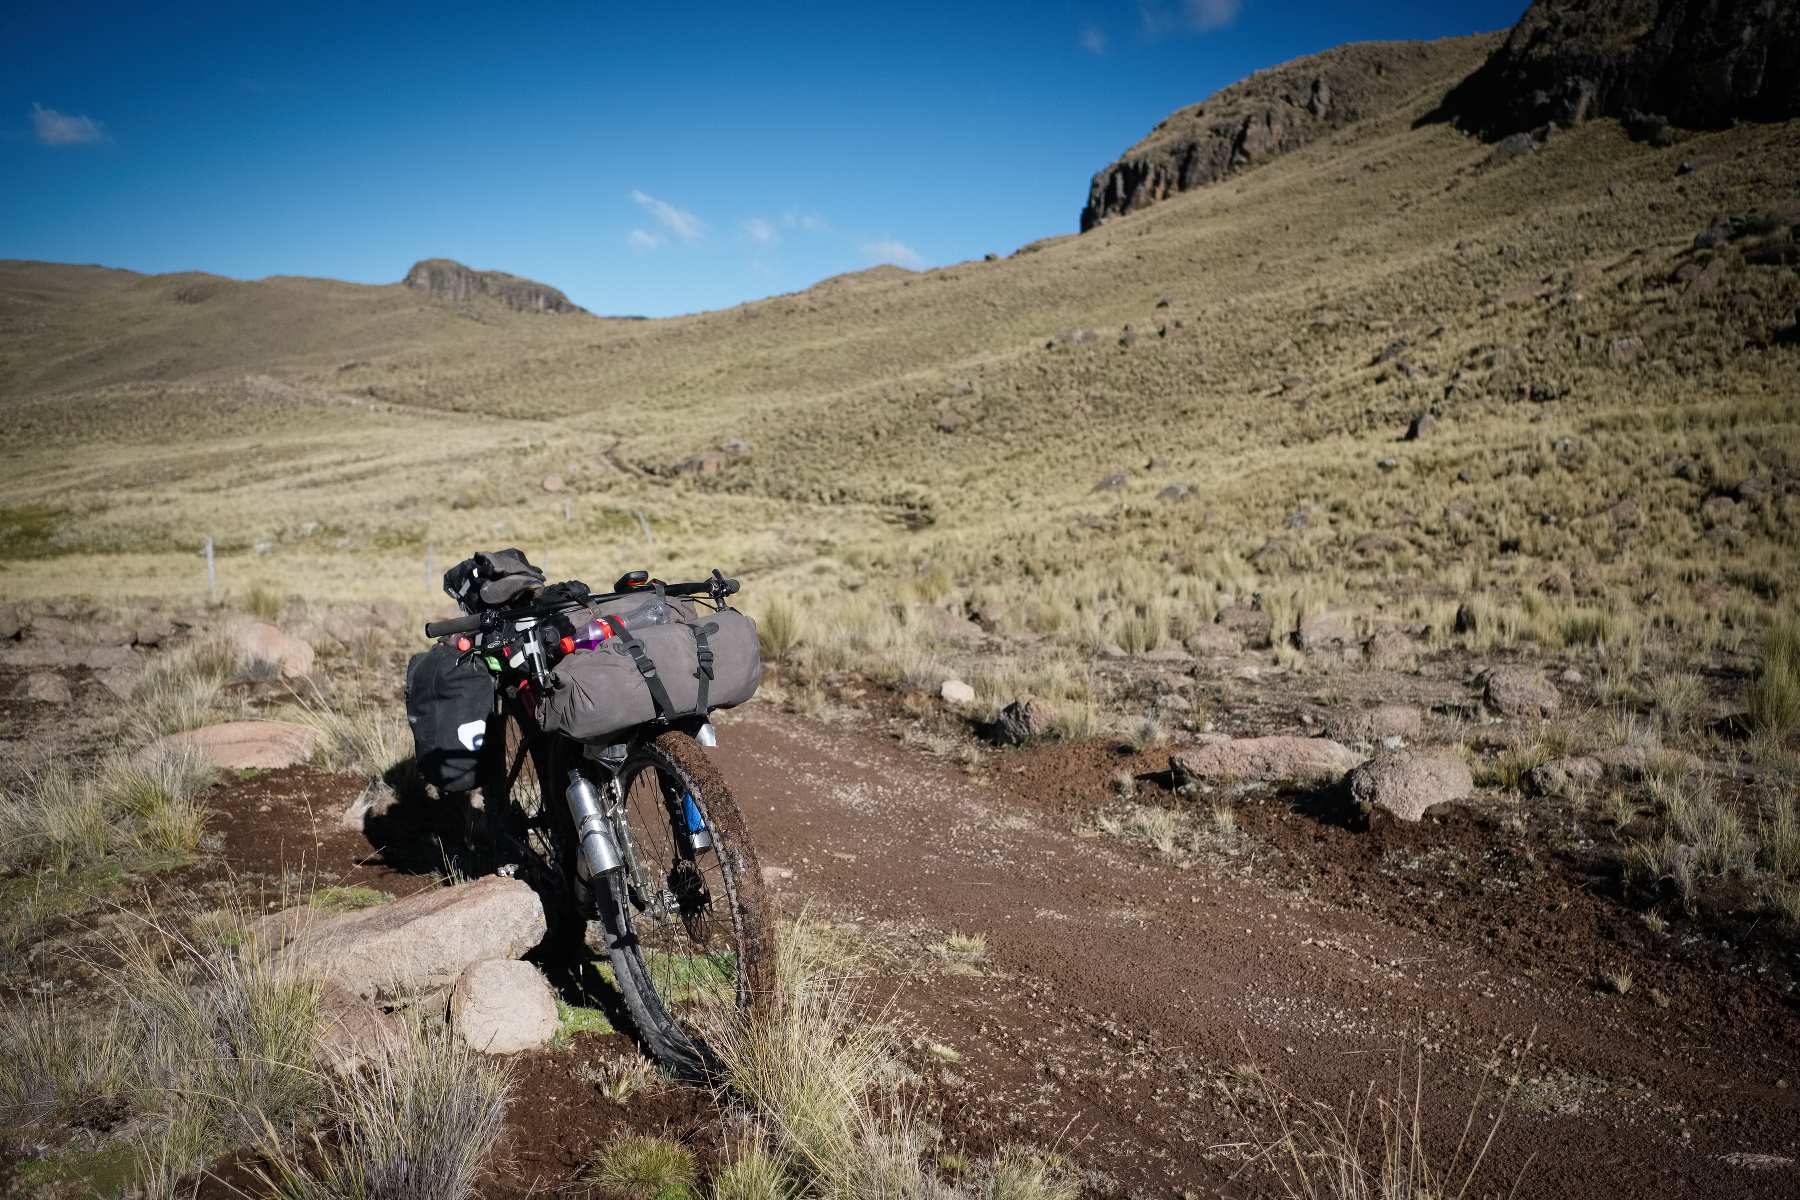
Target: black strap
(659, 695)
(703, 656)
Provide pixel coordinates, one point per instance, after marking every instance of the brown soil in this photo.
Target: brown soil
(1119, 989)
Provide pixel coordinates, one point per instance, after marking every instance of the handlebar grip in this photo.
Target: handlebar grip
(468, 624)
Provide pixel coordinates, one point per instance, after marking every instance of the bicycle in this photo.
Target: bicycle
(641, 835)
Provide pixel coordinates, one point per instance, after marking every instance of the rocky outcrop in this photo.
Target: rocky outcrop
(1270, 114)
(242, 745)
(1651, 62)
(445, 279)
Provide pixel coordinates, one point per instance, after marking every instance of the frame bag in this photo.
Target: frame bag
(696, 662)
(448, 702)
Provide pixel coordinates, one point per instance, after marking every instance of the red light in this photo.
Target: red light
(568, 644)
(464, 645)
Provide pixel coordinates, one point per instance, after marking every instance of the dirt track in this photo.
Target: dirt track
(1118, 991)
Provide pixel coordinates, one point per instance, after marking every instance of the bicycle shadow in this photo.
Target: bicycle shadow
(414, 830)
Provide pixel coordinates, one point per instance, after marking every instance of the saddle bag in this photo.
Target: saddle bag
(448, 702)
(694, 662)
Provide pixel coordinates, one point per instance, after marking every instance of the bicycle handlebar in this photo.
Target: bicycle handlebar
(475, 621)
(468, 624)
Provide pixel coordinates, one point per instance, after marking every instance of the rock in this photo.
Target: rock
(121, 682)
(1324, 630)
(153, 630)
(42, 687)
(12, 623)
(244, 745)
(1407, 785)
(1703, 65)
(1175, 492)
(355, 1034)
(1019, 723)
(1110, 483)
(1389, 352)
(1211, 641)
(1423, 425)
(1387, 647)
(1272, 113)
(106, 658)
(421, 942)
(553, 483)
(955, 691)
(71, 632)
(1278, 759)
(738, 447)
(710, 462)
(1510, 147)
(1388, 464)
(502, 1006)
(271, 931)
(261, 642)
(1272, 555)
(1382, 721)
(1466, 620)
(1251, 625)
(1565, 777)
(445, 279)
(1520, 692)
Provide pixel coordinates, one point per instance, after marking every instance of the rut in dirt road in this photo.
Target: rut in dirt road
(1118, 991)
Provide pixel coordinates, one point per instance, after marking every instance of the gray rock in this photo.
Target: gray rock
(354, 1033)
(261, 642)
(43, 687)
(955, 691)
(1511, 147)
(1266, 760)
(1110, 483)
(1019, 723)
(1211, 641)
(1382, 721)
(422, 942)
(1423, 425)
(243, 745)
(502, 1006)
(1407, 785)
(153, 630)
(1520, 692)
(1565, 777)
(12, 622)
(1175, 492)
(1325, 630)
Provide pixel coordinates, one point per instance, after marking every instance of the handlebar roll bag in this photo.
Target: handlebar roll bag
(448, 701)
(688, 667)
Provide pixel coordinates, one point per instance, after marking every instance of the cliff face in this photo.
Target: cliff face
(1271, 113)
(449, 280)
(1697, 63)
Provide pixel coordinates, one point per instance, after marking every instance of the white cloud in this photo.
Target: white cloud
(639, 239)
(684, 225)
(892, 250)
(807, 221)
(1207, 15)
(62, 129)
(761, 232)
(1197, 16)
(1093, 40)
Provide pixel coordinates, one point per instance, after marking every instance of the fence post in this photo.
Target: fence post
(212, 578)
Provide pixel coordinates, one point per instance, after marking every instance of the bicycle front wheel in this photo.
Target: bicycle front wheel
(687, 928)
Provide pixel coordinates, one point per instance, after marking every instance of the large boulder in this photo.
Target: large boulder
(1407, 785)
(502, 1006)
(421, 943)
(1652, 62)
(1326, 629)
(1520, 692)
(355, 1033)
(1265, 760)
(261, 642)
(244, 745)
(46, 687)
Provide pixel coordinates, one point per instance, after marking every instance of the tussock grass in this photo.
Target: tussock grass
(185, 688)
(1378, 1146)
(751, 1172)
(63, 819)
(639, 1167)
(367, 739)
(1774, 699)
(619, 1079)
(778, 629)
(418, 1124)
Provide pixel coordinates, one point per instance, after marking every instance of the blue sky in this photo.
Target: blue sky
(644, 158)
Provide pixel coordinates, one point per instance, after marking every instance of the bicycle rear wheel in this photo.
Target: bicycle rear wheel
(687, 927)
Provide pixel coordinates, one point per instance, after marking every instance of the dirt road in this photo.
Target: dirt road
(1118, 991)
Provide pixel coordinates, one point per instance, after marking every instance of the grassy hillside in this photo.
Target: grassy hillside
(954, 423)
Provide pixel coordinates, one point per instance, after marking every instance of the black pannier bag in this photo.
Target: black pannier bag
(448, 702)
(492, 579)
(696, 662)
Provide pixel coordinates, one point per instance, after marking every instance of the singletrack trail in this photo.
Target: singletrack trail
(1119, 991)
